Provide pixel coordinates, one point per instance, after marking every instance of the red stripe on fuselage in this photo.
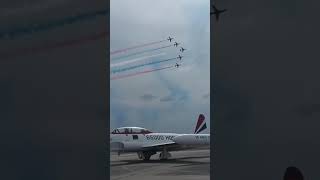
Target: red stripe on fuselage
(132, 133)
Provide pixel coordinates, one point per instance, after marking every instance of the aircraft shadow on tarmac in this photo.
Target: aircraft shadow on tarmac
(184, 161)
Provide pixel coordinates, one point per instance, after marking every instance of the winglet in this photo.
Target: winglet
(201, 124)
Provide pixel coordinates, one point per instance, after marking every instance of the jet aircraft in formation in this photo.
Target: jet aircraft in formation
(217, 12)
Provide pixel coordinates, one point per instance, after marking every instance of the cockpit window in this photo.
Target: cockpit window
(126, 130)
(131, 130)
(116, 131)
(145, 131)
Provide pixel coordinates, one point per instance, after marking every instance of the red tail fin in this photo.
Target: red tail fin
(201, 123)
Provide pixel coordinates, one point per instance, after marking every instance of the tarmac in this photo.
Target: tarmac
(183, 165)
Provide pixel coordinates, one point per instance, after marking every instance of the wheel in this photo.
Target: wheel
(140, 155)
(162, 157)
(146, 156)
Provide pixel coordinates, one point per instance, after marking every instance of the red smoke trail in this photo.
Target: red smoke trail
(138, 73)
(134, 47)
(43, 48)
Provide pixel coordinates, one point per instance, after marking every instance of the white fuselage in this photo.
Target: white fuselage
(136, 142)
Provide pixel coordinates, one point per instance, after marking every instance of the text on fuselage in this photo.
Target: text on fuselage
(159, 137)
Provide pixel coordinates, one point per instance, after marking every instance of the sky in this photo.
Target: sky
(168, 100)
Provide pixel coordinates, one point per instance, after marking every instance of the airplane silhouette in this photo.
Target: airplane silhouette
(217, 12)
(170, 38)
(177, 65)
(180, 57)
(176, 44)
(182, 49)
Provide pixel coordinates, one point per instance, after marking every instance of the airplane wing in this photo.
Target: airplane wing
(214, 7)
(171, 146)
(159, 145)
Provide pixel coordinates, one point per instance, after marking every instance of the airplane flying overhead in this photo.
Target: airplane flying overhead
(177, 65)
(179, 57)
(182, 49)
(176, 44)
(170, 38)
(146, 143)
(217, 12)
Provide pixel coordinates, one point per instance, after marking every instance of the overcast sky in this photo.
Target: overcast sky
(169, 100)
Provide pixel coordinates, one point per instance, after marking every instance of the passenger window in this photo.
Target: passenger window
(135, 137)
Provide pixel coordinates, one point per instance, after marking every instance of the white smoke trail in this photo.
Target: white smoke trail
(136, 60)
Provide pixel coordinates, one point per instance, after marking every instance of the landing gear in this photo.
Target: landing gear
(146, 155)
(140, 155)
(164, 155)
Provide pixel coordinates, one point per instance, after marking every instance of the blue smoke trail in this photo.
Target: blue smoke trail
(141, 65)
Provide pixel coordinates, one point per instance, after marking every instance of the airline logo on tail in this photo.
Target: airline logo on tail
(201, 124)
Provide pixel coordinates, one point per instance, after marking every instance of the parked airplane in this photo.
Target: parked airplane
(176, 44)
(179, 57)
(177, 65)
(170, 38)
(182, 49)
(146, 143)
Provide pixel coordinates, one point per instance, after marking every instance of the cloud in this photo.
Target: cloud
(148, 97)
(173, 96)
(167, 98)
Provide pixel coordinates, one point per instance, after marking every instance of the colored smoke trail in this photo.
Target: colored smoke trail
(135, 47)
(141, 52)
(135, 60)
(25, 51)
(141, 65)
(139, 73)
(51, 25)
